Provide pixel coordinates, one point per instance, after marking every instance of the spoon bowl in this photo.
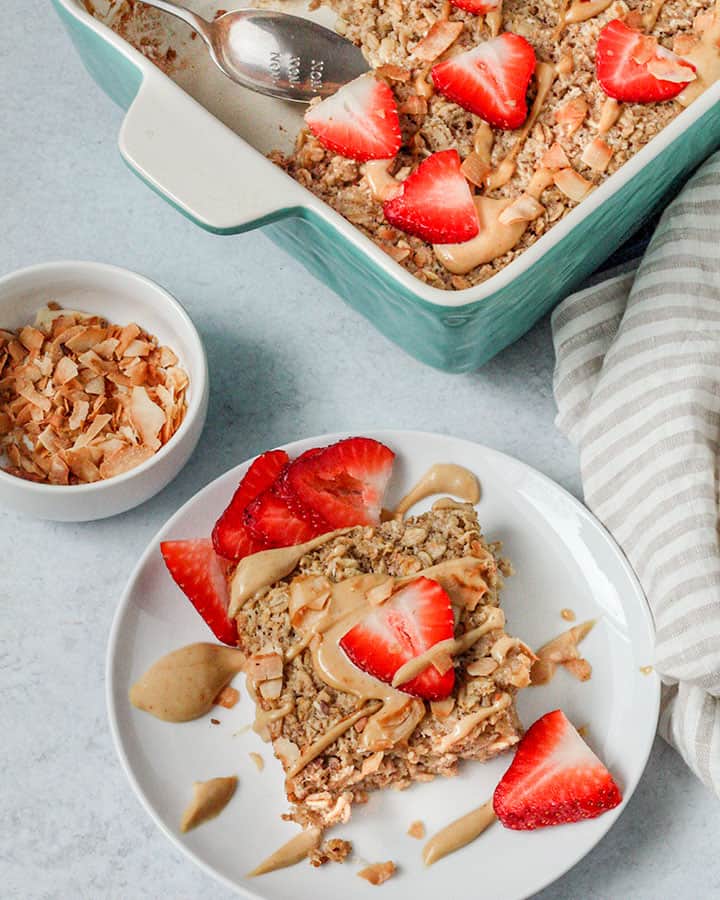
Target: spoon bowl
(275, 53)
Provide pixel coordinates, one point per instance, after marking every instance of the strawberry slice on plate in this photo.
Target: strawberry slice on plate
(554, 778)
(478, 7)
(201, 575)
(279, 519)
(344, 483)
(231, 537)
(413, 620)
(633, 68)
(359, 121)
(491, 80)
(435, 202)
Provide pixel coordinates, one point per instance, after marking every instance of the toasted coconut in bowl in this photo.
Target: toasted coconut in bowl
(103, 390)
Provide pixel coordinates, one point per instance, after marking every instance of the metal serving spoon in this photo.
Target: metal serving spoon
(275, 53)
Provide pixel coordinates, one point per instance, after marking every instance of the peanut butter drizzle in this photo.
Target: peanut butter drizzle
(442, 478)
(609, 114)
(184, 684)
(265, 717)
(294, 851)
(262, 569)
(209, 799)
(451, 647)
(458, 833)
(705, 56)
(382, 184)
(483, 142)
(330, 736)
(559, 650)
(465, 725)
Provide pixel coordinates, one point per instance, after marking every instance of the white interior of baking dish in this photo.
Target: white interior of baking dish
(265, 124)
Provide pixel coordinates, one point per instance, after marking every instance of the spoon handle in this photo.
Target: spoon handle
(196, 22)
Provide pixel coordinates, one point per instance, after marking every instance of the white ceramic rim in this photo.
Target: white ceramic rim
(435, 296)
(194, 403)
(321, 440)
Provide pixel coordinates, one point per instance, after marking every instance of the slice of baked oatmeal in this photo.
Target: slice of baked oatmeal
(334, 745)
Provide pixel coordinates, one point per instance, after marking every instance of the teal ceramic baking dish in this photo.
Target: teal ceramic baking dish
(225, 185)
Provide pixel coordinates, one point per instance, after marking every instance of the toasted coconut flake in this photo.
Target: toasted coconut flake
(393, 73)
(441, 709)
(265, 666)
(524, 209)
(147, 417)
(65, 371)
(137, 348)
(31, 338)
(272, 689)
(105, 349)
(475, 169)
(58, 472)
(684, 44)
(597, 155)
(440, 37)
(286, 751)
(555, 158)
(85, 338)
(127, 335)
(572, 184)
(166, 357)
(482, 667)
(572, 114)
(81, 464)
(95, 385)
(123, 460)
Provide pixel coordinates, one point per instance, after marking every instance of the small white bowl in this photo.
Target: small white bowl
(120, 296)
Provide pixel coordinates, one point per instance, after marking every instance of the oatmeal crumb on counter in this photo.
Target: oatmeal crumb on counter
(378, 873)
(332, 850)
(416, 830)
(568, 615)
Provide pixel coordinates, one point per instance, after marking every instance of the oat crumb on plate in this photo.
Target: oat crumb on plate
(378, 873)
(333, 850)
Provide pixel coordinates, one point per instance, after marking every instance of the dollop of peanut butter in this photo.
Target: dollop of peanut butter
(183, 684)
(209, 799)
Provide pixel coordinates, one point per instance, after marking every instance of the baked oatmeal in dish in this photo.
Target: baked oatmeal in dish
(483, 122)
(336, 745)
(527, 172)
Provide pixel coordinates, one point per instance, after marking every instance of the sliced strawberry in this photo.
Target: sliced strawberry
(491, 80)
(344, 483)
(201, 575)
(231, 537)
(554, 778)
(359, 121)
(633, 68)
(435, 202)
(412, 621)
(280, 522)
(478, 7)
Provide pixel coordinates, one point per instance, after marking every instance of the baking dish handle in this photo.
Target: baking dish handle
(202, 167)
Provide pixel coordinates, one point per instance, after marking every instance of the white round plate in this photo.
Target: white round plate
(563, 557)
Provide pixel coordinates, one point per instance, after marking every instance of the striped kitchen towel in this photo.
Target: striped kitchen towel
(637, 384)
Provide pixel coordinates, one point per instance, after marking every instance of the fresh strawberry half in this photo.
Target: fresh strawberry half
(554, 778)
(435, 202)
(633, 68)
(201, 575)
(344, 483)
(231, 537)
(359, 121)
(478, 7)
(491, 80)
(279, 519)
(412, 621)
